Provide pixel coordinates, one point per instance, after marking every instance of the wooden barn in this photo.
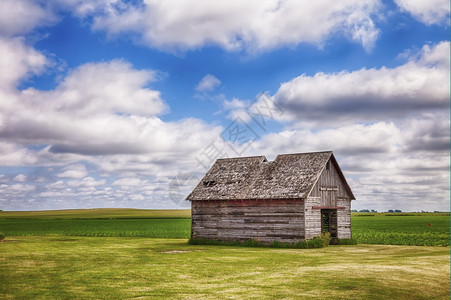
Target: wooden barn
(294, 197)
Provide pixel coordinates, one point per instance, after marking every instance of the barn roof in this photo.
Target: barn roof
(289, 176)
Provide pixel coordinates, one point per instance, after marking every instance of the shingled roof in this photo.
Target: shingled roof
(289, 176)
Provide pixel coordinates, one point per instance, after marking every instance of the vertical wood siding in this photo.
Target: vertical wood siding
(312, 217)
(329, 191)
(261, 220)
(344, 218)
(329, 186)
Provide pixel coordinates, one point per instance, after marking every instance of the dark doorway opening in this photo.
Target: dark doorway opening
(329, 222)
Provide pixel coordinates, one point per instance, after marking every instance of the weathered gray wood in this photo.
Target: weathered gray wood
(330, 185)
(293, 192)
(262, 220)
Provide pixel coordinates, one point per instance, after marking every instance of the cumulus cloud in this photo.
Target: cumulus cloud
(18, 61)
(236, 25)
(128, 182)
(98, 138)
(366, 95)
(392, 137)
(406, 162)
(96, 102)
(235, 103)
(20, 178)
(429, 12)
(12, 154)
(20, 17)
(102, 114)
(74, 171)
(208, 83)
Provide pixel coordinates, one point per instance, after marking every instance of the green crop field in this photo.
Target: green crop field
(98, 213)
(98, 222)
(391, 229)
(126, 253)
(152, 228)
(427, 229)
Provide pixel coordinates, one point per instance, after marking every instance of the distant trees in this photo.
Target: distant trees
(364, 210)
(394, 211)
(375, 211)
(388, 211)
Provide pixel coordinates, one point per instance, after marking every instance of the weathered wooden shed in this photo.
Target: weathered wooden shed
(294, 197)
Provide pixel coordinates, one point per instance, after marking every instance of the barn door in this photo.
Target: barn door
(329, 222)
(329, 196)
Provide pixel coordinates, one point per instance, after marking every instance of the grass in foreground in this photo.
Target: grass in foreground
(87, 267)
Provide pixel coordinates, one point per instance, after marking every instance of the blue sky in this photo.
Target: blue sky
(127, 103)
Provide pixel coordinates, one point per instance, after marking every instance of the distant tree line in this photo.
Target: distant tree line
(375, 211)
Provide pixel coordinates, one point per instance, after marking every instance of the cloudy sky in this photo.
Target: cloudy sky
(113, 103)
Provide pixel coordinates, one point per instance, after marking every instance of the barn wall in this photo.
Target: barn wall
(329, 186)
(261, 220)
(312, 217)
(344, 218)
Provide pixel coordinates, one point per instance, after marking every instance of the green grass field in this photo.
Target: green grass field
(402, 229)
(126, 253)
(390, 229)
(54, 267)
(98, 213)
(152, 228)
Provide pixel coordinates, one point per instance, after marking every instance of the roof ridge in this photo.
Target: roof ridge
(289, 176)
(313, 152)
(302, 153)
(242, 157)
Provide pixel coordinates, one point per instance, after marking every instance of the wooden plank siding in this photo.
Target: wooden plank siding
(240, 220)
(328, 192)
(344, 218)
(329, 186)
(312, 217)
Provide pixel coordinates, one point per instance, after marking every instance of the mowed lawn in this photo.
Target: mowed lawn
(110, 268)
(120, 253)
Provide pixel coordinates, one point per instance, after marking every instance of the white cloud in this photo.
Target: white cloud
(14, 189)
(106, 87)
(208, 83)
(128, 182)
(234, 104)
(17, 61)
(429, 12)
(106, 116)
(88, 182)
(403, 164)
(20, 178)
(12, 154)
(74, 171)
(96, 104)
(3, 178)
(101, 114)
(237, 110)
(235, 25)
(370, 94)
(375, 138)
(21, 16)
